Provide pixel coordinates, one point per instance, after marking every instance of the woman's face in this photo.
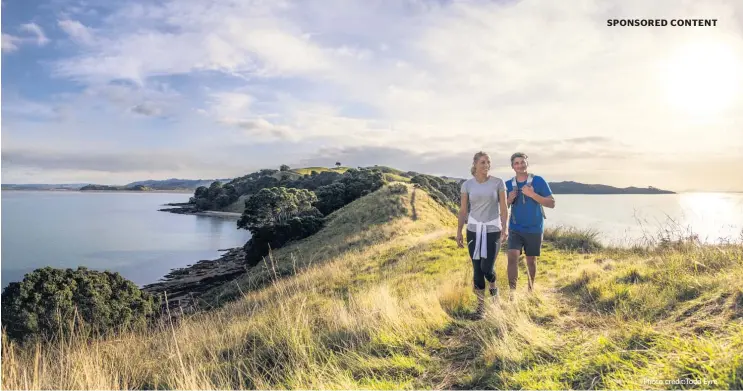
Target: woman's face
(483, 165)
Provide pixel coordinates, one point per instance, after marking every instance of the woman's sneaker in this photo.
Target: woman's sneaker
(494, 292)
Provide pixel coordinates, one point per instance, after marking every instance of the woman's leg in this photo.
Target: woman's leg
(487, 265)
(478, 277)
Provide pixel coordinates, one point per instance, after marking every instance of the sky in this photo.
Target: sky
(110, 92)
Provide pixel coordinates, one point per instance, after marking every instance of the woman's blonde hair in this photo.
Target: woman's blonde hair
(475, 159)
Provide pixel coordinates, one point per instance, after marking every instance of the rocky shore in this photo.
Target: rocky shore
(185, 285)
(185, 208)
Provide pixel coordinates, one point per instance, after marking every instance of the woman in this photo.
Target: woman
(484, 211)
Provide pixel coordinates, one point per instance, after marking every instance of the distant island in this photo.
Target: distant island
(174, 184)
(570, 187)
(115, 188)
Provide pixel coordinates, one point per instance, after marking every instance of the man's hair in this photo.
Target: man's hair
(519, 154)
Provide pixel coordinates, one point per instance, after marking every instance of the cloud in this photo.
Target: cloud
(11, 43)
(109, 161)
(147, 109)
(36, 30)
(436, 81)
(77, 31)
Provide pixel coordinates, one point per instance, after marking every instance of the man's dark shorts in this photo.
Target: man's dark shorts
(530, 243)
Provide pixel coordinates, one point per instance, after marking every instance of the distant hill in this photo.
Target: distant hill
(115, 188)
(566, 187)
(570, 187)
(43, 186)
(176, 184)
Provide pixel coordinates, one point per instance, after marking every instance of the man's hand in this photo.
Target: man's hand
(504, 237)
(528, 191)
(512, 196)
(460, 240)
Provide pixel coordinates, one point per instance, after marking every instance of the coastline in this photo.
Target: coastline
(101, 191)
(184, 285)
(188, 209)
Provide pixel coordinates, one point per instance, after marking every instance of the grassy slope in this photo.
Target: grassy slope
(381, 298)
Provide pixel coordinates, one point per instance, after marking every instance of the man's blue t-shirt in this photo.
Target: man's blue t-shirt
(526, 213)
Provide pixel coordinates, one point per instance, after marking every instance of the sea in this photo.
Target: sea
(124, 232)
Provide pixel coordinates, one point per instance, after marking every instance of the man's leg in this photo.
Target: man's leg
(531, 264)
(515, 244)
(532, 248)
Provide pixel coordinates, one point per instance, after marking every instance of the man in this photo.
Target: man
(528, 194)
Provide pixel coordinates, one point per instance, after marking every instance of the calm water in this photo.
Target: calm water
(124, 232)
(628, 219)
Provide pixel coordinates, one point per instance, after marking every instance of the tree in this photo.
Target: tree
(284, 167)
(274, 206)
(331, 197)
(201, 192)
(47, 300)
(337, 164)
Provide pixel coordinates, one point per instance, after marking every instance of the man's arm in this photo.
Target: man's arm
(546, 194)
(545, 200)
(548, 201)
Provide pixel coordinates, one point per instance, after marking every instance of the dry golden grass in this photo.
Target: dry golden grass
(381, 299)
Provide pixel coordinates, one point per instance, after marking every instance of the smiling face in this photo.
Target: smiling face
(519, 165)
(483, 165)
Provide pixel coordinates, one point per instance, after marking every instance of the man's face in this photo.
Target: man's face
(519, 165)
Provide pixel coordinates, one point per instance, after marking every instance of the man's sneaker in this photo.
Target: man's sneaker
(494, 292)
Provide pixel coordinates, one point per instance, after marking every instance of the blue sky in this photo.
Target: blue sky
(112, 92)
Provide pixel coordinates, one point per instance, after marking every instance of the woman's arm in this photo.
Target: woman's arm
(463, 212)
(503, 210)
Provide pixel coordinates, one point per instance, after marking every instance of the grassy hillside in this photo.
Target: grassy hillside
(308, 170)
(381, 299)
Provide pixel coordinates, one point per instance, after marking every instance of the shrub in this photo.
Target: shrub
(573, 239)
(274, 206)
(274, 236)
(47, 300)
(398, 188)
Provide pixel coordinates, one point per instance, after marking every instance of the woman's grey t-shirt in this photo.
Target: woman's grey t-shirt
(483, 200)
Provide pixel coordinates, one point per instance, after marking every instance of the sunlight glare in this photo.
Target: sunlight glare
(703, 78)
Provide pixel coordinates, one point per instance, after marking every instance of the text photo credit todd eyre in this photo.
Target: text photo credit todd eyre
(689, 22)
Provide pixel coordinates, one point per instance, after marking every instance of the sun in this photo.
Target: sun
(703, 78)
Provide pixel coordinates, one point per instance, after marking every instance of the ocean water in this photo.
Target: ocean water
(125, 232)
(118, 231)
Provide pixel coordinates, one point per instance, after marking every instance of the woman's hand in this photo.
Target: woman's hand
(512, 196)
(504, 237)
(460, 240)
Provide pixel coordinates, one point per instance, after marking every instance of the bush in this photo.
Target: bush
(355, 183)
(398, 188)
(274, 236)
(573, 239)
(47, 300)
(274, 206)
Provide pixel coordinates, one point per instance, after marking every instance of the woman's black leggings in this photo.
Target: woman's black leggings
(484, 268)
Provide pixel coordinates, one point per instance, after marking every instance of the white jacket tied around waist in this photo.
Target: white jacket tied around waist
(481, 234)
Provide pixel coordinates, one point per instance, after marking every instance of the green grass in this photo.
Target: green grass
(381, 298)
(573, 239)
(308, 170)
